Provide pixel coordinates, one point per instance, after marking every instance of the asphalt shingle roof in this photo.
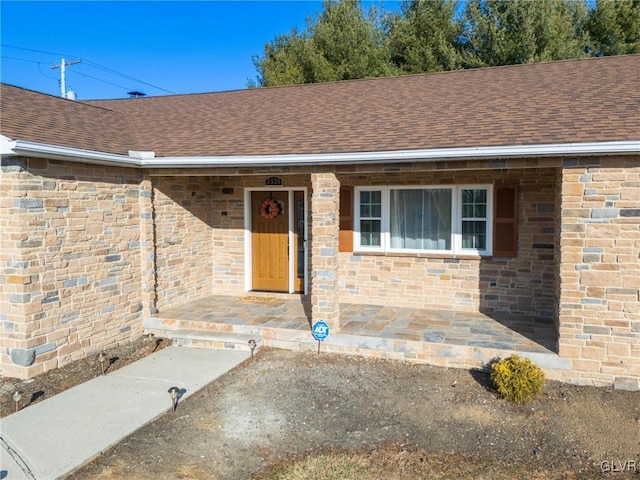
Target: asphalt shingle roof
(574, 101)
(37, 117)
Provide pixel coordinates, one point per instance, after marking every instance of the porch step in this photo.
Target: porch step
(208, 339)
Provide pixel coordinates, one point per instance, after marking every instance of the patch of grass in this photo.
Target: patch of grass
(335, 466)
(398, 463)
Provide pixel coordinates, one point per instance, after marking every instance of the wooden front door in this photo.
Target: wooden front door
(270, 242)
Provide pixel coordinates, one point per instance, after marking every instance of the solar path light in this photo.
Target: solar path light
(173, 393)
(151, 338)
(102, 357)
(17, 396)
(252, 347)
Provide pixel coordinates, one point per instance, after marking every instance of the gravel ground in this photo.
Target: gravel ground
(286, 405)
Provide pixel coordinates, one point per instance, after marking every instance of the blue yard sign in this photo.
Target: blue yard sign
(320, 330)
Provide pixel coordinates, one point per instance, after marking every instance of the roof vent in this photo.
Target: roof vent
(135, 94)
(71, 95)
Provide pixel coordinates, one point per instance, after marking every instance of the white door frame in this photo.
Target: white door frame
(248, 273)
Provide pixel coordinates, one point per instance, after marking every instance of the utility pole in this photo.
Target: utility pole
(63, 68)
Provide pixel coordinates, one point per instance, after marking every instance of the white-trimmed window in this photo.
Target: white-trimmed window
(424, 219)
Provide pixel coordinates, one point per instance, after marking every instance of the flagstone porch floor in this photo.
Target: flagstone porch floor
(438, 337)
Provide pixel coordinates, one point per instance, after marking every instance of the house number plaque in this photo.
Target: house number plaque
(274, 181)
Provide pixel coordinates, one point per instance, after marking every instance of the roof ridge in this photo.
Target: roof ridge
(372, 79)
(59, 98)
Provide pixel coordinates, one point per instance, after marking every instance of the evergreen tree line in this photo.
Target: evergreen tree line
(346, 41)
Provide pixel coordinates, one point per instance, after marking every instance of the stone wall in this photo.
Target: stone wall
(200, 233)
(228, 244)
(69, 262)
(183, 212)
(599, 294)
(521, 285)
(87, 250)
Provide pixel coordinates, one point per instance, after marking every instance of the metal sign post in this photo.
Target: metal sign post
(320, 331)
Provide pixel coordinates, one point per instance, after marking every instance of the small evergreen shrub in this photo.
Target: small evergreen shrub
(517, 379)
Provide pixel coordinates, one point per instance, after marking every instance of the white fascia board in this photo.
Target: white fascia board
(147, 159)
(467, 153)
(43, 150)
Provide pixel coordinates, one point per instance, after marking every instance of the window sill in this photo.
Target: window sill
(455, 256)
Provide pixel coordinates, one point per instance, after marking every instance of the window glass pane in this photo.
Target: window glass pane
(480, 211)
(467, 196)
(370, 233)
(371, 204)
(474, 203)
(467, 210)
(474, 234)
(421, 219)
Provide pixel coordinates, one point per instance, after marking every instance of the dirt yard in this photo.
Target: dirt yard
(374, 418)
(403, 421)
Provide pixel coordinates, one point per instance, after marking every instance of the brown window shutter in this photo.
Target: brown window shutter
(345, 239)
(505, 221)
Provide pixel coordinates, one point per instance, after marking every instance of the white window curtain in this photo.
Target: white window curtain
(421, 219)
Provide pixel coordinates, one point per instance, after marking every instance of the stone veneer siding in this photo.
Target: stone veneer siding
(183, 212)
(228, 242)
(199, 231)
(325, 201)
(599, 292)
(521, 285)
(87, 250)
(70, 257)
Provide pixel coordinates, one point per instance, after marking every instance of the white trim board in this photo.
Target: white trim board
(147, 160)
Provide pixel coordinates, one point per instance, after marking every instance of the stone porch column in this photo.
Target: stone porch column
(20, 306)
(325, 202)
(599, 312)
(148, 280)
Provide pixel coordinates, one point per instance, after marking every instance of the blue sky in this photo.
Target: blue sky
(181, 47)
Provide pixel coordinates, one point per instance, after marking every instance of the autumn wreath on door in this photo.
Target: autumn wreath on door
(269, 208)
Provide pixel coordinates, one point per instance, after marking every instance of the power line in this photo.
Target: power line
(75, 72)
(43, 74)
(34, 50)
(91, 64)
(128, 77)
(29, 61)
(19, 59)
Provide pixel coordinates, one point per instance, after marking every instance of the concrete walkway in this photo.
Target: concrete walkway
(52, 438)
